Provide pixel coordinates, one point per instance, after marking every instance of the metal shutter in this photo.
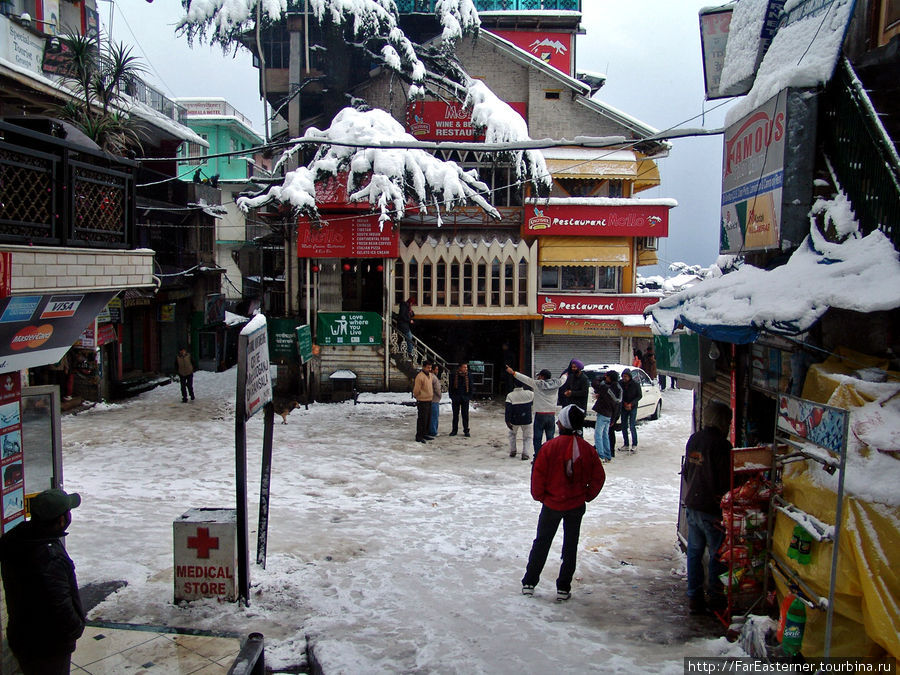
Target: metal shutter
(555, 351)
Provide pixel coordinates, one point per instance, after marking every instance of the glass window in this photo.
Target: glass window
(549, 277)
(426, 284)
(495, 282)
(509, 283)
(523, 283)
(467, 284)
(577, 278)
(608, 278)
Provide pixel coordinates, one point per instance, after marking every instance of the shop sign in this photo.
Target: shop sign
(554, 49)
(594, 305)
(5, 273)
(38, 330)
(283, 341)
(346, 237)
(441, 121)
(114, 310)
(12, 505)
(625, 220)
(167, 313)
(205, 547)
(678, 355)
(304, 343)
(753, 178)
(21, 48)
(106, 333)
(88, 337)
(714, 27)
(200, 108)
(820, 424)
(558, 325)
(349, 328)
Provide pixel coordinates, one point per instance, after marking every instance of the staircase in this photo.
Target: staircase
(421, 353)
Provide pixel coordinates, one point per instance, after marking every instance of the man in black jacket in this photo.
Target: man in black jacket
(631, 395)
(460, 391)
(45, 613)
(575, 390)
(405, 321)
(706, 472)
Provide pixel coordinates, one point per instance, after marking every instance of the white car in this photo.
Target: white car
(650, 405)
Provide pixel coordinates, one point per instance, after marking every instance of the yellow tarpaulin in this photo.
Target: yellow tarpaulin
(867, 595)
(585, 251)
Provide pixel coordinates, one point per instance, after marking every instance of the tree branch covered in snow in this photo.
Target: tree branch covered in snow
(386, 178)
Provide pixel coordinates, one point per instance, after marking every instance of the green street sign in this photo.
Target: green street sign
(304, 342)
(678, 355)
(283, 341)
(348, 329)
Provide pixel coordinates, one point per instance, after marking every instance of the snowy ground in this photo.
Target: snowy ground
(389, 555)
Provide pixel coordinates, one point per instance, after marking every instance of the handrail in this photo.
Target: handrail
(421, 352)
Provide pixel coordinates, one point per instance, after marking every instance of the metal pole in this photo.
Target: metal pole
(265, 482)
(262, 71)
(240, 474)
(838, 518)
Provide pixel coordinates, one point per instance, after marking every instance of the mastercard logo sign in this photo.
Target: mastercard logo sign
(31, 337)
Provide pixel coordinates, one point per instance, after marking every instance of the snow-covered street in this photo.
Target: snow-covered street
(388, 555)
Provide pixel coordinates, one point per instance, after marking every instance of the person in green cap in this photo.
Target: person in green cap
(45, 612)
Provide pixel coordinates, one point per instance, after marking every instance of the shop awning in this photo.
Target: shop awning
(585, 251)
(647, 257)
(647, 175)
(587, 163)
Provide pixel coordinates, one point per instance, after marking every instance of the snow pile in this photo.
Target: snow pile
(803, 52)
(859, 274)
(742, 48)
(380, 176)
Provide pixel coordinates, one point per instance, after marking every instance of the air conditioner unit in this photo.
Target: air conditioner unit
(648, 243)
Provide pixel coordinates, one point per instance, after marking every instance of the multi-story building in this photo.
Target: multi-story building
(553, 279)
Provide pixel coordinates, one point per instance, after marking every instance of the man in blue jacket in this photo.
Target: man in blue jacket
(45, 613)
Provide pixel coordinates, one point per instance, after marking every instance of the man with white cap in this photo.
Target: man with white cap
(567, 473)
(45, 612)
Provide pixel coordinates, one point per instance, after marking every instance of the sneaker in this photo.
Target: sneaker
(527, 590)
(524, 456)
(626, 448)
(452, 433)
(429, 438)
(634, 448)
(512, 454)
(562, 596)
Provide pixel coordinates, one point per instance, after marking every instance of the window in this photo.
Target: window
(552, 95)
(399, 275)
(426, 284)
(523, 283)
(195, 152)
(576, 278)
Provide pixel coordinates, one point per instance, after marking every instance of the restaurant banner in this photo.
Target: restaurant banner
(594, 305)
(37, 330)
(558, 325)
(441, 121)
(554, 49)
(625, 220)
(346, 237)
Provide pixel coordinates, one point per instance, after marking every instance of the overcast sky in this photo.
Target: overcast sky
(648, 49)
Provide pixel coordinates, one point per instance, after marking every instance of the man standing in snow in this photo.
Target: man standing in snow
(608, 397)
(460, 395)
(545, 387)
(566, 474)
(631, 395)
(184, 364)
(45, 613)
(423, 392)
(436, 395)
(518, 418)
(575, 390)
(706, 473)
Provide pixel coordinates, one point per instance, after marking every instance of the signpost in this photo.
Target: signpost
(349, 328)
(254, 391)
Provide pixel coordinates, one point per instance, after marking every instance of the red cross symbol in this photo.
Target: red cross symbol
(203, 542)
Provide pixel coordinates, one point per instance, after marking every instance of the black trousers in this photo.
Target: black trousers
(45, 664)
(187, 386)
(423, 419)
(548, 524)
(460, 406)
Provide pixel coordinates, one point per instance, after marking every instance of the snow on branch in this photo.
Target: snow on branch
(386, 178)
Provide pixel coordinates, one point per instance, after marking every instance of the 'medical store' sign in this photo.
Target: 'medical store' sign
(608, 220)
(594, 305)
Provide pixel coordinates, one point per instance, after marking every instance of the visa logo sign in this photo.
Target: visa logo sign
(62, 306)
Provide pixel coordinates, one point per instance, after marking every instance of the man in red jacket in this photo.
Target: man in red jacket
(567, 473)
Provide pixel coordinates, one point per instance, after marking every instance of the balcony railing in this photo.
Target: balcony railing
(408, 6)
(861, 154)
(53, 193)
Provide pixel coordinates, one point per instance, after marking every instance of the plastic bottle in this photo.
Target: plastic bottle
(794, 626)
(782, 618)
(804, 546)
(794, 546)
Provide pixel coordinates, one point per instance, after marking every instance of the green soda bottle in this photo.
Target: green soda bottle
(794, 546)
(794, 626)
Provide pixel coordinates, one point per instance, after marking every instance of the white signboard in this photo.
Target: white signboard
(254, 384)
(205, 543)
(20, 47)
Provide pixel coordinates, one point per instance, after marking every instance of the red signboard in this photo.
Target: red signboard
(5, 273)
(346, 236)
(552, 48)
(594, 305)
(440, 121)
(12, 465)
(626, 220)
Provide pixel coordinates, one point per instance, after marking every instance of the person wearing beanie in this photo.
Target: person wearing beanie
(607, 399)
(575, 390)
(545, 388)
(566, 474)
(46, 617)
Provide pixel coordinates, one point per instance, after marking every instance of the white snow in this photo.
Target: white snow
(391, 556)
(802, 54)
(604, 201)
(861, 274)
(743, 44)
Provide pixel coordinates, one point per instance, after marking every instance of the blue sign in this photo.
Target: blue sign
(20, 308)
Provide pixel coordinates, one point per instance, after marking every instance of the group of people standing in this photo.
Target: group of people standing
(428, 391)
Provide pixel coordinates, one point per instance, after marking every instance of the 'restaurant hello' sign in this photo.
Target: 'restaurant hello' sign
(624, 219)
